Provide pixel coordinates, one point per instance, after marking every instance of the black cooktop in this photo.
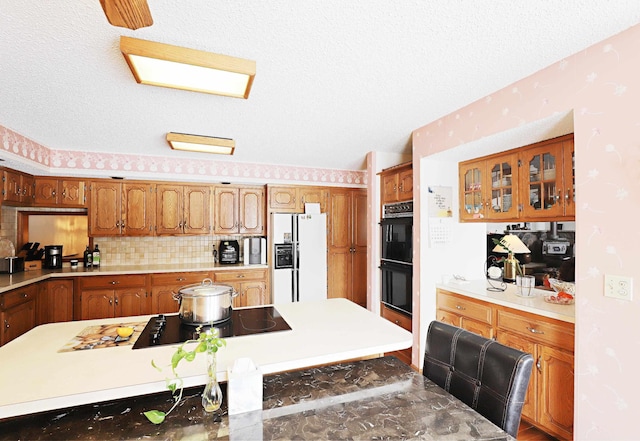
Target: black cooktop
(169, 329)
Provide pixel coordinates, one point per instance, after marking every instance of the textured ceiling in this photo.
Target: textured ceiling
(335, 79)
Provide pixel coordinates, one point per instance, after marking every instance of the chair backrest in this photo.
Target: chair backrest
(484, 374)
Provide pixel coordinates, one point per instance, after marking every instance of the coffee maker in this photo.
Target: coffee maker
(53, 256)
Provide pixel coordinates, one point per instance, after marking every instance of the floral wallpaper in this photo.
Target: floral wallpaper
(601, 85)
(65, 162)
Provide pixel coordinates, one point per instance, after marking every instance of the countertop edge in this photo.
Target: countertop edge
(535, 305)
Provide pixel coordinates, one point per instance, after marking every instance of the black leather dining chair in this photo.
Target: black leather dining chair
(487, 376)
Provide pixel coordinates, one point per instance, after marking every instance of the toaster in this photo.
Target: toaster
(11, 264)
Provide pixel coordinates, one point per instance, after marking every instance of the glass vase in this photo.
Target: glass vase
(212, 394)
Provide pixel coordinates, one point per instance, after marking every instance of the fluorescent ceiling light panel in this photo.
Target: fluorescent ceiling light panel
(203, 144)
(177, 67)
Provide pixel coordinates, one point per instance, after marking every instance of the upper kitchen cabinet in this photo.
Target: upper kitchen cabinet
(17, 187)
(547, 179)
(239, 210)
(121, 209)
(488, 188)
(292, 199)
(183, 209)
(397, 183)
(63, 192)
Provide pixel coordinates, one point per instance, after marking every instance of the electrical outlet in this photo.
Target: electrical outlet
(618, 287)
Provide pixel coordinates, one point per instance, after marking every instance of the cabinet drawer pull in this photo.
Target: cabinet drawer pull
(460, 308)
(397, 322)
(181, 279)
(535, 331)
(24, 295)
(114, 282)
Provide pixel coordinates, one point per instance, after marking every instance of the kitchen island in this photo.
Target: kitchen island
(35, 376)
(380, 398)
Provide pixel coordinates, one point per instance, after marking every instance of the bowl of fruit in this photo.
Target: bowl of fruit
(563, 292)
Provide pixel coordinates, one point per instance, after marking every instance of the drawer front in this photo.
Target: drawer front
(465, 307)
(178, 278)
(399, 319)
(115, 281)
(239, 276)
(17, 296)
(537, 329)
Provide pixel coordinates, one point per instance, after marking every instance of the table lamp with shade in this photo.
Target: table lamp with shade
(510, 244)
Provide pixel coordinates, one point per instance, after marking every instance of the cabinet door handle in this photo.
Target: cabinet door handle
(6, 324)
(535, 331)
(110, 301)
(539, 364)
(116, 300)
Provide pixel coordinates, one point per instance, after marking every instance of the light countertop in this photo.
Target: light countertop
(18, 280)
(35, 377)
(477, 289)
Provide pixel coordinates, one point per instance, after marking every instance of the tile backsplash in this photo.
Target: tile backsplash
(137, 250)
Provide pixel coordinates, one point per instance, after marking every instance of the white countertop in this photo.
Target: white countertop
(35, 377)
(536, 305)
(18, 280)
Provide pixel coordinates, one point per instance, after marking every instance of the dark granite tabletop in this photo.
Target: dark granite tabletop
(375, 399)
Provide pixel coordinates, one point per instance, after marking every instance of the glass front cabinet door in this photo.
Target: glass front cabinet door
(547, 182)
(489, 188)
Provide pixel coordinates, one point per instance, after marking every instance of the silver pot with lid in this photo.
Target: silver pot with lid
(205, 302)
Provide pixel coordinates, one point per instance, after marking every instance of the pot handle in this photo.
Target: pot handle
(235, 294)
(207, 282)
(177, 297)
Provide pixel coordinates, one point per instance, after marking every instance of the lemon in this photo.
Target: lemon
(124, 332)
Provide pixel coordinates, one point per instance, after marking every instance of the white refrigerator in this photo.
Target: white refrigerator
(301, 275)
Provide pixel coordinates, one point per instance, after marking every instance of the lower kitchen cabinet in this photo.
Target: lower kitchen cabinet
(549, 400)
(402, 320)
(165, 285)
(111, 296)
(251, 286)
(55, 301)
(17, 312)
(465, 313)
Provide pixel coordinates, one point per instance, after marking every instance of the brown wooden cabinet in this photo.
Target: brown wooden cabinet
(251, 286)
(347, 245)
(465, 313)
(121, 209)
(489, 188)
(551, 342)
(397, 183)
(60, 192)
(547, 179)
(183, 209)
(55, 301)
(17, 187)
(292, 199)
(534, 182)
(239, 210)
(17, 312)
(405, 322)
(111, 296)
(165, 285)
(549, 399)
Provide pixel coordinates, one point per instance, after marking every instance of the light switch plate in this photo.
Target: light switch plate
(618, 287)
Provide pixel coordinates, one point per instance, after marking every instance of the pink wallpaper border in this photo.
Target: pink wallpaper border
(142, 166)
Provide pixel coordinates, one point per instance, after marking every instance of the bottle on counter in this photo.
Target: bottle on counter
(96, 256)
(88, 258)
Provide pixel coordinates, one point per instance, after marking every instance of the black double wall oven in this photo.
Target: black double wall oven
(397, 256)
